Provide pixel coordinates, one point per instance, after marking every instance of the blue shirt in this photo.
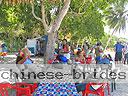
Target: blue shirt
(119, 47)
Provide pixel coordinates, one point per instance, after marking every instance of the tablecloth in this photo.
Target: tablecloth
(56, 89)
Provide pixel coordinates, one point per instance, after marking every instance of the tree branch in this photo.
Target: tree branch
(76, 14)
(81, 6)
(33, 12)
(43, 16)
(1, 1)
(56, 24)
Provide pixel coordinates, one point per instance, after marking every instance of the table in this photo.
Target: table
(56, 89)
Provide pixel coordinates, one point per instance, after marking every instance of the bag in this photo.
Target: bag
(63, 58)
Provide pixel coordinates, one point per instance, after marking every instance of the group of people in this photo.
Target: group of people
(121, 53)
(83, 54)
(66, 52)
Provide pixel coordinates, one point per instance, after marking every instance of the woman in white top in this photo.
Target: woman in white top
(126, 54)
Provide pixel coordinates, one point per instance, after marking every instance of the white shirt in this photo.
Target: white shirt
(126, 49)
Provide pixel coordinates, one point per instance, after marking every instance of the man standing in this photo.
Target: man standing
(118, 52)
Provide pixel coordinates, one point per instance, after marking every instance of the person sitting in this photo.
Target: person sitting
(4, 47)
(60, 57)
(24, 57)
(80, 57)
(104, 60)
(66, 49)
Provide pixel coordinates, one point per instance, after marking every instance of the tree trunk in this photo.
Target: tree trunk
(0, 1)
(52, 28)
(49, 54)
(110, 39)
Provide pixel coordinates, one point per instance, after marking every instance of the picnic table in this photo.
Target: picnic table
(56, 89)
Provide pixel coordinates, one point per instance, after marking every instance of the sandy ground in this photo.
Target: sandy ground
(122, 88)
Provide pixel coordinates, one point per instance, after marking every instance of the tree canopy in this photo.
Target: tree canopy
(84, 20)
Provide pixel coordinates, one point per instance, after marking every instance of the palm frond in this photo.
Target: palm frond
(116, 18)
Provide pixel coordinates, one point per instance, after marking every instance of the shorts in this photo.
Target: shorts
(118, 56)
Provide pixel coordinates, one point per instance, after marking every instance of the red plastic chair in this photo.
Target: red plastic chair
(99, 91)
(22, 89)
(30, 87)
(33, 87)
(3, 89)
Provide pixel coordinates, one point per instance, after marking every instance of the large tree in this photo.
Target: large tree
(15, 23)
(50, 27)
(84, 18)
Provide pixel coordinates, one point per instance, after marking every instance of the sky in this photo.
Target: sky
(117, 34)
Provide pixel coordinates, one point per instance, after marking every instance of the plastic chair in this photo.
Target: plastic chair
(3, 89)
(99, 91)
(22, 89)
(32, 87)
